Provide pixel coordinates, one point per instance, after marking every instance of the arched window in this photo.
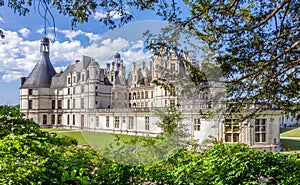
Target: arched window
(134, 95)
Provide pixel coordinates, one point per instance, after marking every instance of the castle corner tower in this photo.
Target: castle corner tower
(35, 90)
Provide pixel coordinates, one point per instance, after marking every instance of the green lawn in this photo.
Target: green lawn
(94, 139)
(291, 132)
(291, 144)
(290, 138)
(77, 135)
(54, 129)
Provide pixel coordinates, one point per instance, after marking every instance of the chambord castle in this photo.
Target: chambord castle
(86, 96)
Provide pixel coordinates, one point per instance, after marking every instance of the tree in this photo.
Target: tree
(256, 42)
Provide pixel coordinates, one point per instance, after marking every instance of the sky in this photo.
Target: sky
(19, 50)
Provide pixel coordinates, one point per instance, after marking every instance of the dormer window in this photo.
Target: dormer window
(30, 91)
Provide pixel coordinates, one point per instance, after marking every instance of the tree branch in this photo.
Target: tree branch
(272, 14)
(287, 50)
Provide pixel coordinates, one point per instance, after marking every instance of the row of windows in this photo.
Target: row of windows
(141, 95)
(130, 122)
(82, 89)
(233, 130)
(74, 78)
(59, 119)
(59, 104)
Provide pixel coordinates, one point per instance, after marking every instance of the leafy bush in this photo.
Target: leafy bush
(30, 156)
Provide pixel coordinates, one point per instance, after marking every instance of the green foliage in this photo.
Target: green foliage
(169, 120)
(31, 156)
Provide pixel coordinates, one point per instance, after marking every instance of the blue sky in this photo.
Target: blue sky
(19, 51)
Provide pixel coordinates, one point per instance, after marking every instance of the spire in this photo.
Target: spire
(43, 71)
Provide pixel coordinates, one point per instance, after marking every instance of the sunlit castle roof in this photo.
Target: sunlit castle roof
(43, 71)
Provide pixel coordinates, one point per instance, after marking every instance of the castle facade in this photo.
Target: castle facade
(114, 100)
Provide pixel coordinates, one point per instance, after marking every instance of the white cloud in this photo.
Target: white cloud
(18, 56)
(1, 19)
(138, 45)
(71, 34)
(93, 37)
(24, 32)
(40, 31)
(113, 14)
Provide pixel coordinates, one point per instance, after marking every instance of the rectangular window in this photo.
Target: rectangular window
(82, 121)
(69, 91)
(147, 125)
(74, 101)
(142, 95)
(146, 95)
(82, 77)
(73, 119)
(172, 103)
(107, 121)
(44, 119)
(197, 124)
(260, 130)
(138, 95)
(123, 120)
(172, 76)
(130, 122)
(172, 67)
(232, 130)
(74, 90)
(52, 119)
(82, 89)
(30, 104)
(117, 122)
(82, 103)
(68, 119)
(59, 119)
(59, 104)
(68, 104)
(53, 104)
(30, 91)
(152, 94)
(97, 121)
(74, 79)
(172, 92)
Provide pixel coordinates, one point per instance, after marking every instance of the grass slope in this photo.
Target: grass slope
(290, 138)
(94, 139)
(77, 135)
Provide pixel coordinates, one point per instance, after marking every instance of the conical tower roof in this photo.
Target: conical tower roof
(43, 71)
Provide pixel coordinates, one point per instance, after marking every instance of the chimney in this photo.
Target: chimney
(23, 79)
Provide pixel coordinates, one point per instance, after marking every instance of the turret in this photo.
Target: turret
(43, 71)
